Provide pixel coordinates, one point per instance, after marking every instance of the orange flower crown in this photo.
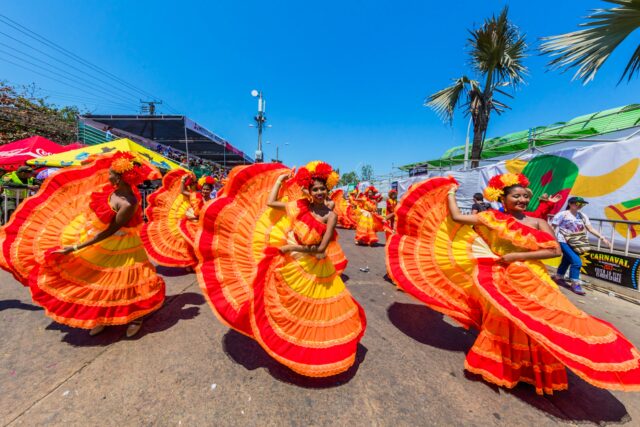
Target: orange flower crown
(130, 168)
(376, 193)
(210, 180)
(498, 183)
(317, 170)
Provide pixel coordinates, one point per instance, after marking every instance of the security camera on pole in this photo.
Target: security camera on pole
(260, 119)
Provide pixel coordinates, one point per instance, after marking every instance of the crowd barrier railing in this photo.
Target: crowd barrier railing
(9, 203)
(609, 227)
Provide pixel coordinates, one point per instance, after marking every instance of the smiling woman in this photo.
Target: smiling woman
(490, 277)
(276, 272)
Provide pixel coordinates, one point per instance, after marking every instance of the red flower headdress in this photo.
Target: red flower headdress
(206, 180)
(376, 195)
(498, 183)
(130, 168)
(317, 170)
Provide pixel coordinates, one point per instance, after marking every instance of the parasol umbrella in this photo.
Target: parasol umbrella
(45, 173)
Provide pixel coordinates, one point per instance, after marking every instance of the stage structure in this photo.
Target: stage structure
(177, 132)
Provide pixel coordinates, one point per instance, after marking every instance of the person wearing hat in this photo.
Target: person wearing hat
(568, 222)
(17, 185)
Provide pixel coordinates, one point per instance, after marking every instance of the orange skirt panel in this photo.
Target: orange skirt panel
(166, 210)
(111, 282)
(529, 331)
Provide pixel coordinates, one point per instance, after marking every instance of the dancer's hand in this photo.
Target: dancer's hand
(555, 198)
(509, 258)
(64, 251)
(282, 177)
(287, 248)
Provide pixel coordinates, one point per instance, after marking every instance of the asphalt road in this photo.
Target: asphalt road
(185, 368)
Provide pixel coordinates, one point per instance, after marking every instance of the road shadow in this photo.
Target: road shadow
(248, 353)
(344, 277)
(176, 308)
(428, 327)
(581, 403)
(18, 305)
(173, 271)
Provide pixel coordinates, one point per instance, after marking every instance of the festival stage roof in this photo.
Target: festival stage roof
(172, 131)
(585, 127)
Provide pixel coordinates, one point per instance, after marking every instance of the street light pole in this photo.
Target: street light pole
(260, 119)
(466, 145)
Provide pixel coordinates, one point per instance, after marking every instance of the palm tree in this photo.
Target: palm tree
(497, 51)
(589, 49)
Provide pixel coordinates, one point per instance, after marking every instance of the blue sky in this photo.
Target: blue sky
(344, 81)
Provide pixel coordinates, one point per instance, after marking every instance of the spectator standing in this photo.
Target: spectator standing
(567, 223)
(17, 185)
(479, 205)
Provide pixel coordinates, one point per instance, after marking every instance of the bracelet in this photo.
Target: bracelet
(452, 192)
(75, 247)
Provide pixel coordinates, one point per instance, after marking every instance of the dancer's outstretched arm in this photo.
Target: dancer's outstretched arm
(273, 196)
(122, 217)
(456, 215)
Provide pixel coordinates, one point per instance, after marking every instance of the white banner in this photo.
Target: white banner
(606, 175)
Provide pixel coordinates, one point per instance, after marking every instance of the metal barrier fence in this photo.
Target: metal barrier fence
(9, 203)
(609, 227)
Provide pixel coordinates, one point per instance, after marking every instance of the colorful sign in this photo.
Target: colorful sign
(618, 269)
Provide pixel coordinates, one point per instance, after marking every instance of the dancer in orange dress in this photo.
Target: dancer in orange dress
(79, 249)
(369, 222)
(341, 208)
(266, 271)
(484, 271)
(197, 199)
(172, 218)
(352, 210)
(392, 202)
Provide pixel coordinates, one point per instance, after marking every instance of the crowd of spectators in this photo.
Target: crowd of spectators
(198, 165)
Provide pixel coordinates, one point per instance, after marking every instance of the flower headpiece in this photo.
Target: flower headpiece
(498, 183)
(130, 168)
(371, 188)
(317, 170)
(392, 191)
(210, 180)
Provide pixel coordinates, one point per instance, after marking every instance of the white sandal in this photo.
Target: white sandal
(96, 330)
(134, 327)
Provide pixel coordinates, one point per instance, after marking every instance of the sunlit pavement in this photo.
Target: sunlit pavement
(186, 368)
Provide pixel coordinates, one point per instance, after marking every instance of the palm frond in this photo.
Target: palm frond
(588, 49)
(498, 49)
(445, 101)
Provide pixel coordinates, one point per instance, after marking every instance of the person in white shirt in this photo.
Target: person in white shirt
(572, 221)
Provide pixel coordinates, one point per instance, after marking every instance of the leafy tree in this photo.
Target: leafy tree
(497, 51)
(349, 178)
(366, 173)
(588, 49)
(22, 115)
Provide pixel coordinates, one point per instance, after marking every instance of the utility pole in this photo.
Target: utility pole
(260, 119)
